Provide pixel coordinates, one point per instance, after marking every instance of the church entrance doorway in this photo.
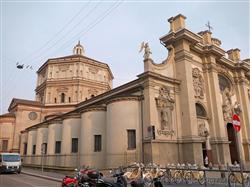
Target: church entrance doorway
(232, 145)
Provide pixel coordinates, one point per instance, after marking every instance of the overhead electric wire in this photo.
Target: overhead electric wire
(91, 25)
(67, 33)
(49, 41)
(59, 32)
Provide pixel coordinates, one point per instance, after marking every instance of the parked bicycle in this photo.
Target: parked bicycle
(193, 176)
(235, 178)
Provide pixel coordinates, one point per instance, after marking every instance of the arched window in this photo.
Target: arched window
(224, 82)
(62, 97)
(200, 111)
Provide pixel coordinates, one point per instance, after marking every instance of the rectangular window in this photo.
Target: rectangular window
(34, 149)
(98, 143)
(58, 147)
(25, 148)
(74, 145)
(44, 148)
(5, 145)
(131, 139)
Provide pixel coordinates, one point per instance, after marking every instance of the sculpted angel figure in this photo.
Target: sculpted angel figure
(147, 50)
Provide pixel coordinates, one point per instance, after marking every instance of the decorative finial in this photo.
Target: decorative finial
(78, 49)
(147, 50)
(209, 26)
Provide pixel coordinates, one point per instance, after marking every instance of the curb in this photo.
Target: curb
(42, 176)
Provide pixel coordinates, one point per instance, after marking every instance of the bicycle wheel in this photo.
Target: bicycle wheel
(148, 181)
(246, 182)
(201, 178)
(177, 177)
(167, 179)
(188, 177)
(232, 180)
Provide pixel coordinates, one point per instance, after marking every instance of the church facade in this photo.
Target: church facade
(176, 111)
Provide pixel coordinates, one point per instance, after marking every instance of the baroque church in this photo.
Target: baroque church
(176, 111)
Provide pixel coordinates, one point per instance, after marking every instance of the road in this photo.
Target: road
(22, 180)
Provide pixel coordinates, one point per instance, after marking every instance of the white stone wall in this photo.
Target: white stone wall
(70, 129)
(121, 116)
(92, 123)
(6, 133)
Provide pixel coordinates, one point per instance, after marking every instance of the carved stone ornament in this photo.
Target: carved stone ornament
(147, 51)
(93, 70)
(63, 67)
(237, 108)
(227, 107)
(62, 89)
(165, 105)
(198, 83)
(165, 132)
(202, 130)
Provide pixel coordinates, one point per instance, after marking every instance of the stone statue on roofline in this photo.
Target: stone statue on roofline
(147, 51)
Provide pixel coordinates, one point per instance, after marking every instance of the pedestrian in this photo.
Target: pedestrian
(206, 162)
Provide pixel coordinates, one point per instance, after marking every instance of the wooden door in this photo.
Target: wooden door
(232, 145)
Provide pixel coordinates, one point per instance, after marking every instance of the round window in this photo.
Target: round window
(32, 115)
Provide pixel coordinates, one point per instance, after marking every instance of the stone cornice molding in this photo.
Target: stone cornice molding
(190, 139)
(75, 59)
(172, 37)
(183, 55)
(92, 109)
(70, 81)
(219, 140)
(157, 76)
(213, 49)
(71, 115)
(123, 98)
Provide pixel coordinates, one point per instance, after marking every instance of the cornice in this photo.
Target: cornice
(149, 74)
(93, 108)
(76, 59)
(71, 115)
(183, 55)
(213, 49)
(123, 98)
(184, 33)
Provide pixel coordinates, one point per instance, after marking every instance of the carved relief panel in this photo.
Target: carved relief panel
(165, 106)
(198, 83)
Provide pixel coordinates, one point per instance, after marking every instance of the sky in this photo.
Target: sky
(110, 31)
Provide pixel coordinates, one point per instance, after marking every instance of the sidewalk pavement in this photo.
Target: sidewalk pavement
(45, 174)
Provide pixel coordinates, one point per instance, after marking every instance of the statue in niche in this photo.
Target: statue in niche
(147, 51)
(198, 83)
(227, 105)
(202, 130)
(165, 104)
(237, 108)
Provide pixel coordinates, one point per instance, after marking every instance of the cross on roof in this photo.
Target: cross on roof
(209, 26)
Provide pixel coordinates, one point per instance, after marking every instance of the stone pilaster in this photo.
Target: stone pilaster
(241, 91)
(31, 141)
(189, 137)
(218, 133)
